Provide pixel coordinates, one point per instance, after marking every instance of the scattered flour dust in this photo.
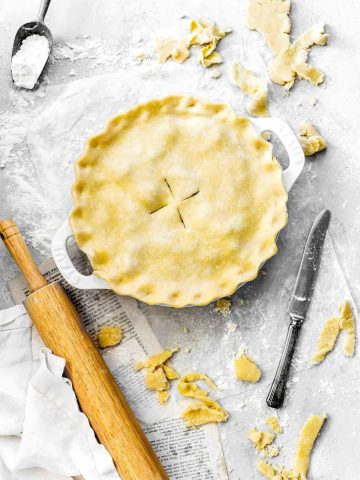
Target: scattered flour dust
(29, 61)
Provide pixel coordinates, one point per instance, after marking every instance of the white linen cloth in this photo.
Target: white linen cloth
(43, 435)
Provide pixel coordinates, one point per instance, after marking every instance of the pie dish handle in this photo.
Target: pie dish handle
(66, 266)
(291, 144)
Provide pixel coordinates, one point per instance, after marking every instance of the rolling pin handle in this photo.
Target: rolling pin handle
(14, 242)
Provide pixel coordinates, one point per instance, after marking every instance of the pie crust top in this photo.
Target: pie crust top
(178, 202)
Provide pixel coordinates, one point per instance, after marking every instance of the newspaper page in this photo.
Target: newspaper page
(186, 454)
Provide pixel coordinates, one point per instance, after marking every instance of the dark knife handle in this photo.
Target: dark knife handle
(276, 395)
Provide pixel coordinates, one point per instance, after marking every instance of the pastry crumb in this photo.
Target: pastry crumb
(274, 424)
(330, 332)
(311, 140)
(231, 326)
(205, 409)
(223, 306)
(253, 86)
(260, 439)
(158, 374)
(109, 336)
(246, 369)
(215, 73)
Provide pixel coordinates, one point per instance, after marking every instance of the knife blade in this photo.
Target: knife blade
(299, 304)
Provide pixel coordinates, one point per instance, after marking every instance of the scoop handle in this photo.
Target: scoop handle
(14, 242)
(43, 10)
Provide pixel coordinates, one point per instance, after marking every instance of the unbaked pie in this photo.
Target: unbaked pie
(178, 202)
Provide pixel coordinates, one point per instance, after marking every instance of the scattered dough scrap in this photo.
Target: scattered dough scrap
(274, 424)
(309, 73)
(223, 306)
(109, 336)
(171, 48)
(282, 67)
(271, 19)
(308, 435)
(215, 74)
(327, 339)
(275, 472)
(158, 375)
(203, 33)
(246, 369)
(204, 410)
(311, 140)
(331, 330)
(260, 439)
(270, 451)
(347, 323)
(252, 86)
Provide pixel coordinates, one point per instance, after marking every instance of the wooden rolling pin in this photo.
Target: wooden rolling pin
(99, 396)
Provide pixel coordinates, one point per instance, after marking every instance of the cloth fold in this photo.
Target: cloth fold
(43, 434)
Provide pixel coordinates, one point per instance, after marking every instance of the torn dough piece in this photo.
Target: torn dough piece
(205, 409)
(271, 19)
(275, 472)
(347, 323)
(330, 333)
(158, 375)
(309, 73)
(260, 439)
(252, 86)
(171, 48)
(282, 67)
(327, 339)
(246, 369)
(311, 140)
(274, 424)
(308, 435)
(109, 336)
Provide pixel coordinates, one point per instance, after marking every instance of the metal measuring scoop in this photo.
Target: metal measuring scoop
(37, 27)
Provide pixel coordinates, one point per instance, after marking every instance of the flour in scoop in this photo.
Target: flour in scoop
(29, 61)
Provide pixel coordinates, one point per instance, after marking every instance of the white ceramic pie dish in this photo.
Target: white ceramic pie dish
(84, 282)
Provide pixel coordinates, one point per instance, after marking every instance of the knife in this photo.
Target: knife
(299, 304)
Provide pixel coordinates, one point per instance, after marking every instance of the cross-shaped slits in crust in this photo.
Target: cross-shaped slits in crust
(175, 203)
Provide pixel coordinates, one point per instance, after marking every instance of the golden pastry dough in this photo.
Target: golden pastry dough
(252, 86)
(327, 339)
(311, 140)
(178, 202)
(158, 375)
(274, 424)
(330, 332)
(271, 19)
(308, 435)
(260, 439)
(170, 48)
(109, 336)
(309, 73)
(201, 33)
(282, 67)
(246, 369)
(347, 323)
(204, 410)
